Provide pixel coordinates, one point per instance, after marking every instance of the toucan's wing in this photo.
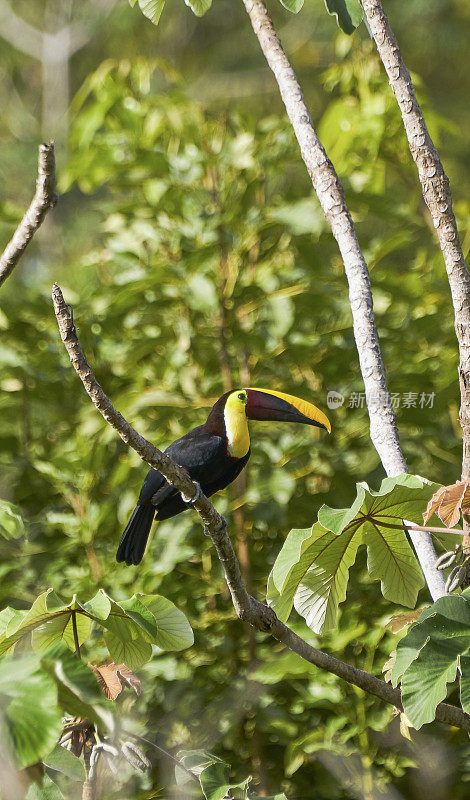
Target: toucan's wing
(198, 452)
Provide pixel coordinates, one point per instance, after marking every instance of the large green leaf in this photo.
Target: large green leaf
(293, 5)
(152, 9)
(62, 760)
(453, 607)
(11, 521)
(29, 712)
(48, 791)
(131, 627)
(46, 606)
(199, 7)
(173, 629)
(213, 774)
(429, 656)
(348, 13)
(311, 571)
(129, 635)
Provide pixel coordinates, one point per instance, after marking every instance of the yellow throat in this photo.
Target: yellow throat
(236, 424)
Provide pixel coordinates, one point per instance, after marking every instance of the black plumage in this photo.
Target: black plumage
(213, 454)
(203, 453)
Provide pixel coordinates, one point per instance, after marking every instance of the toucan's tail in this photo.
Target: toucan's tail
(134, 539)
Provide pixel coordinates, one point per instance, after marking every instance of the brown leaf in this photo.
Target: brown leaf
(400, 621)
(110, 676)
(447, 503)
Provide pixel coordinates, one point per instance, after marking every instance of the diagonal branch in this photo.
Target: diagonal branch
(330, 192)
(43, 200)
(247, 608)
(437, 195)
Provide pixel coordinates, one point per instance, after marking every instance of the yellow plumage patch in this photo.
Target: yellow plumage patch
(236, 424)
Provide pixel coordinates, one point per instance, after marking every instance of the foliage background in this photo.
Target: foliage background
(194, 254)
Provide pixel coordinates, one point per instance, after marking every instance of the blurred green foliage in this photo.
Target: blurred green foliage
(211, 259)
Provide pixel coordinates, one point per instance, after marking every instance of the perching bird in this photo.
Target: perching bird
(213, 454)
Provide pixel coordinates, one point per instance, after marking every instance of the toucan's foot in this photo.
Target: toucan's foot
(222, 529)
(197, 495)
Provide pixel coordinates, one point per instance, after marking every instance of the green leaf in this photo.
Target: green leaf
(453, 607)
(11, 521)
(173, 629)
(152, 9)
(199, 7)
(31, 718)
(62, 760)
(44, 606)
(429, 656)
(132, 626)
(378, 516)
(99, 606)
(311, 571)
(48, 790)
(196, 761)
(293, 5)
(348, 13)
(214, 780)
(78, 690)
(213, 773)
(61, 627)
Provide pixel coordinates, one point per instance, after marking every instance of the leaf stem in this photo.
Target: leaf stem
(75, 634)
(410, 527)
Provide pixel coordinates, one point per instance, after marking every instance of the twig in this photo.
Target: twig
(330, 192)
(163, 752)
(43, 200)
(174, 474)
(247, 608)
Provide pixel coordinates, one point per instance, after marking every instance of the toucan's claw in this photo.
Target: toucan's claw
(197, 495)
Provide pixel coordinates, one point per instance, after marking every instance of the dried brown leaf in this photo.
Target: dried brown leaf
(111, 677)
(447, 503)
(400, 621)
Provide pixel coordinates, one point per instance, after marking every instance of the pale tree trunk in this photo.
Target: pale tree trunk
(330, 192)
(437, 195)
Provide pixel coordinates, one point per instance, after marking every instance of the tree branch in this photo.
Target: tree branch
(174, 474)
(247, 608)
(437, 195)
(330, 192)
(43, 200)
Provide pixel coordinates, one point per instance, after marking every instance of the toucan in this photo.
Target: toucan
(213, 454)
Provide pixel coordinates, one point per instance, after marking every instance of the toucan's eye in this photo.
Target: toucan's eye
(241, 396)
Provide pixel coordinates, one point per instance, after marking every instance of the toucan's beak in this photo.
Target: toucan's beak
(263, 404)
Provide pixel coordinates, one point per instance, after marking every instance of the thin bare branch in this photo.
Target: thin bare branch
(437, 195)
(174, 474)
(330, 192)
(44, 199)
(247, 608)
